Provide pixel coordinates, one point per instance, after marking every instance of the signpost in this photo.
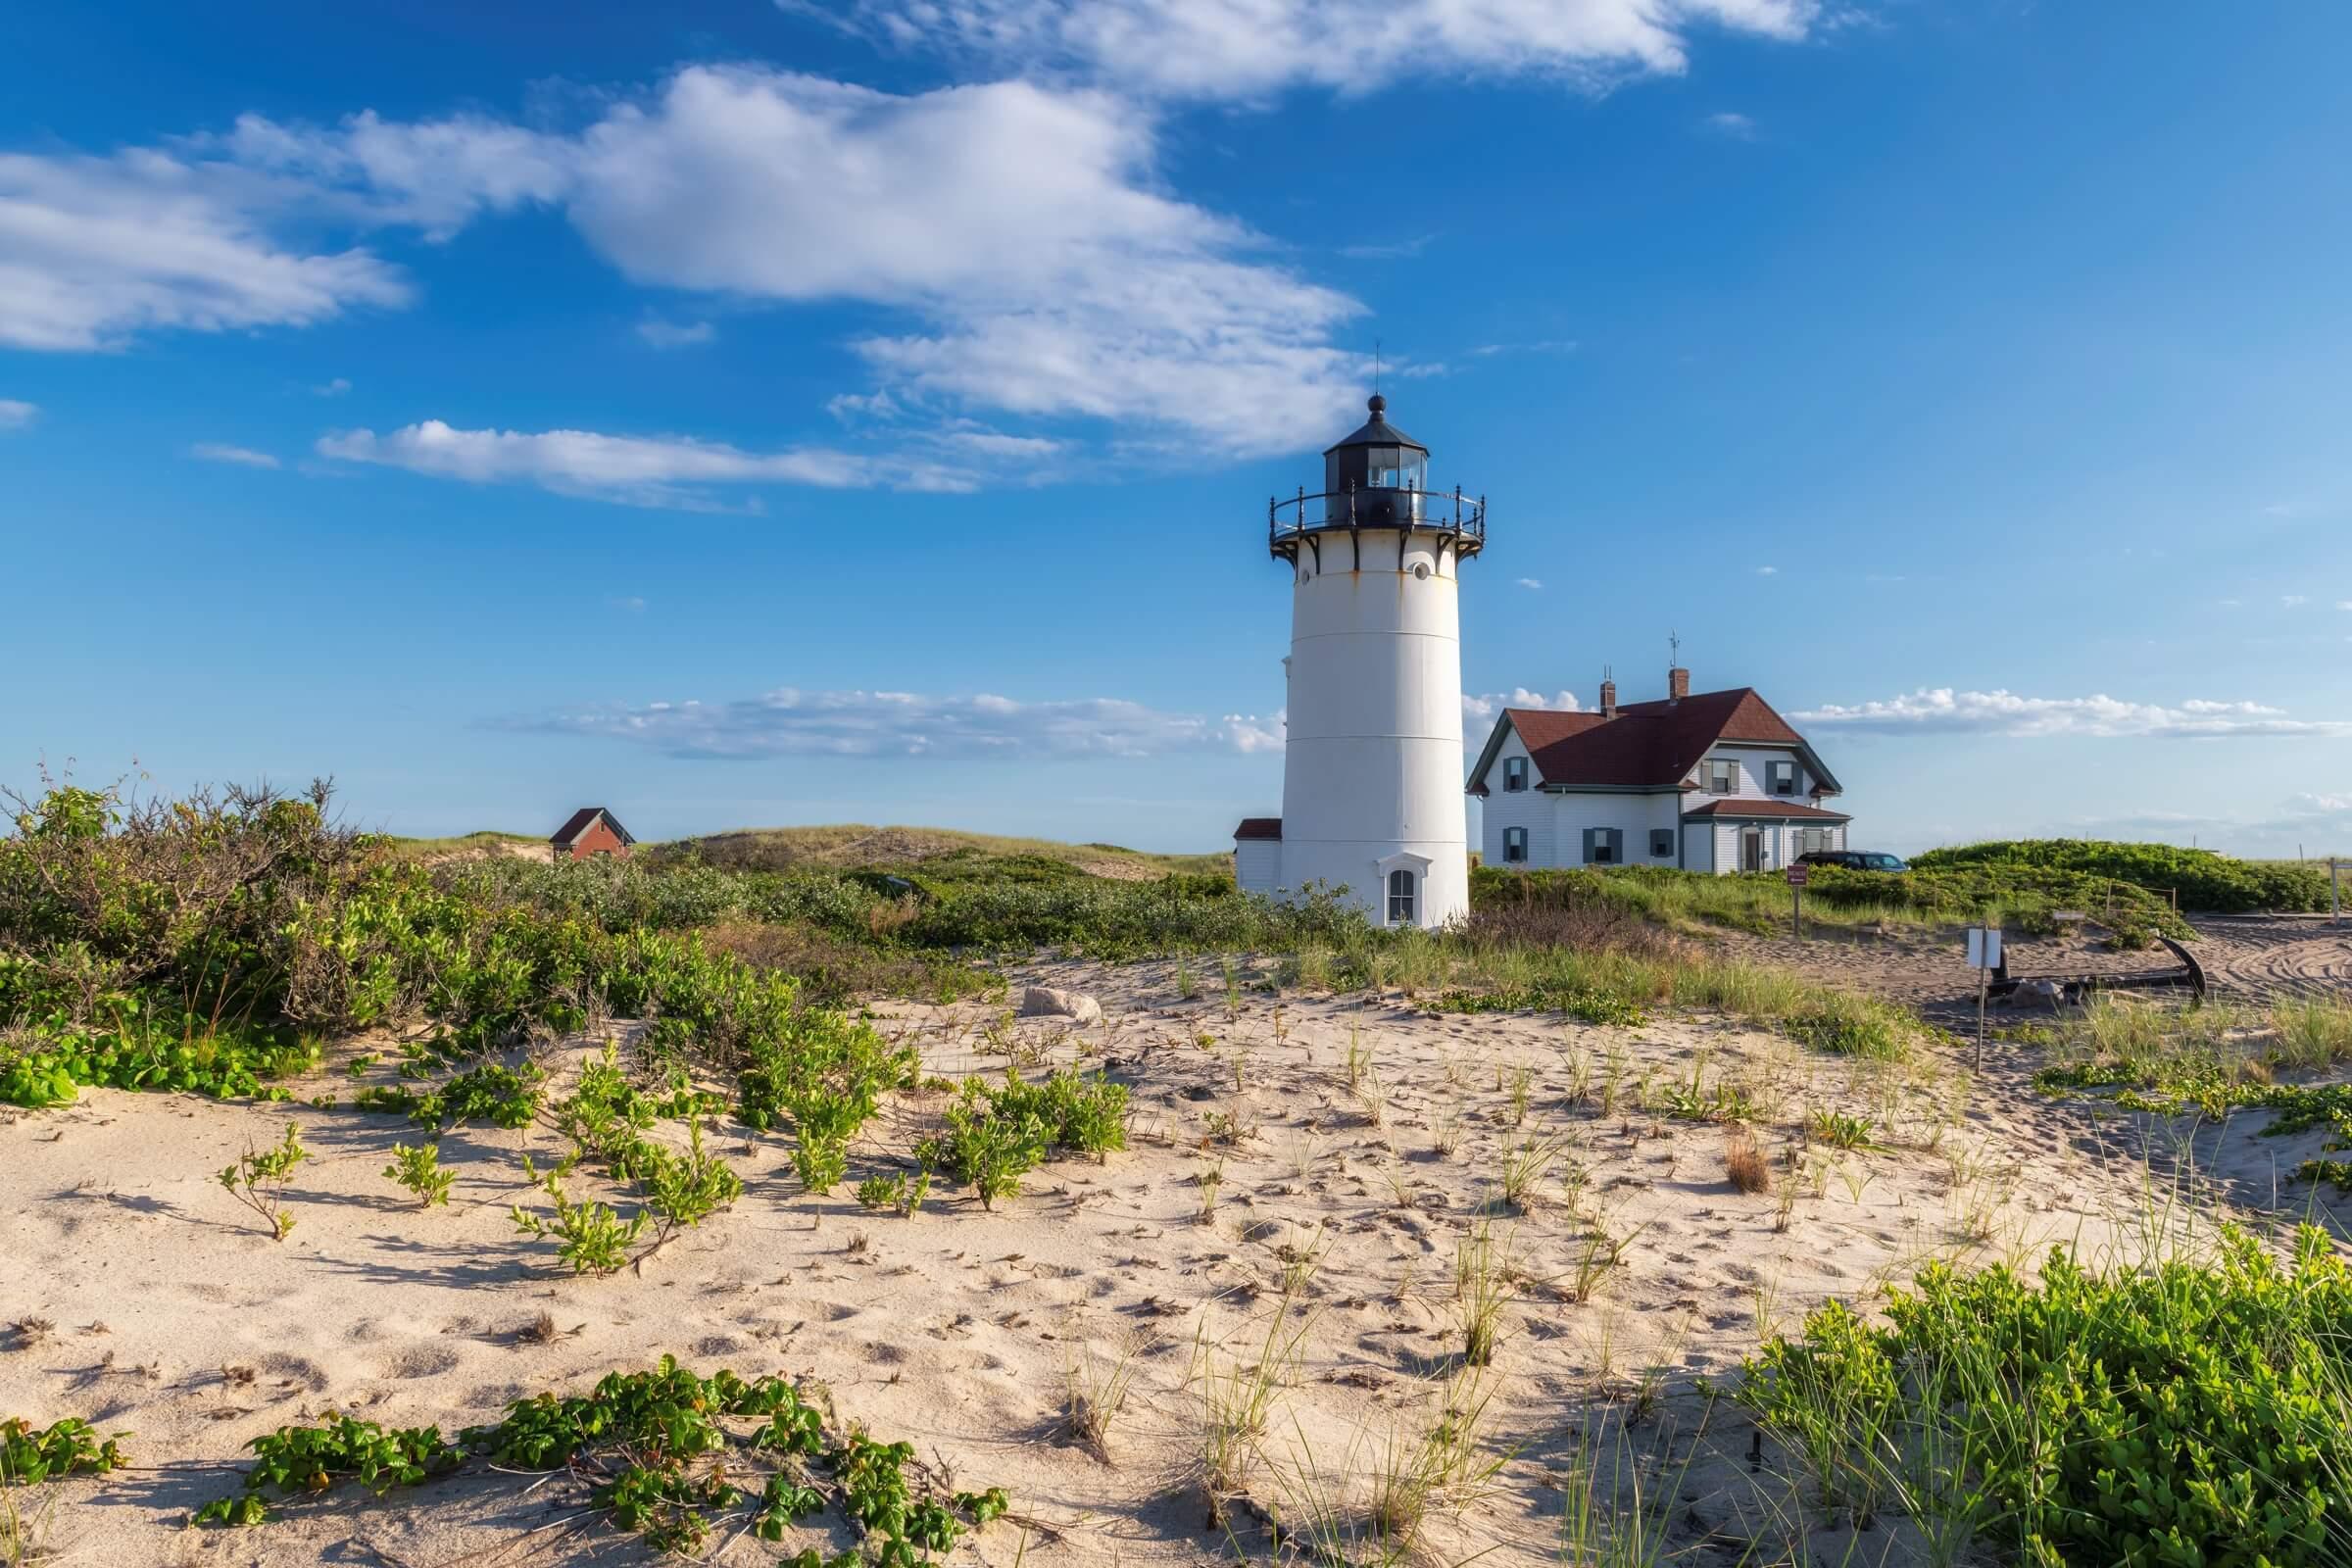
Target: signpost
(1797, 873)
(1983, 957)
(2336, 900)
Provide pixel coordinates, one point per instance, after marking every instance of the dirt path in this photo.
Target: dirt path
(2249, 959)
(2263, 957)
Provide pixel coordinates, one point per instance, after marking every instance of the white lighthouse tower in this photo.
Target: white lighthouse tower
(1372, 766)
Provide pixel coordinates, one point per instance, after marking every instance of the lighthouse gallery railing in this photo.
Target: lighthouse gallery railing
(1460, 517)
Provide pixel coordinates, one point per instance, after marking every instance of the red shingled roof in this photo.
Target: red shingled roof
(1260, 827)
(1744, 807)
(1648, 745)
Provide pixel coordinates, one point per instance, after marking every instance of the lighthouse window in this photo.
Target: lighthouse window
(1385, 470)
(1400, 898)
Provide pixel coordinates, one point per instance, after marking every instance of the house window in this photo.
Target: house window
(1604, 846)
(1722, 776)
(1813, 840)
(1400, 898)
(1661, 843)
(1514, 775)
(1514, 843)
(1783, 776)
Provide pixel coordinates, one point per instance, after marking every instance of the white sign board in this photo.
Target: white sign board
(1984, 947)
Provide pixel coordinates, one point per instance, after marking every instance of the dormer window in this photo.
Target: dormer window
(1782, 777)
(1514, 775)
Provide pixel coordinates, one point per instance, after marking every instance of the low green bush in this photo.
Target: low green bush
(2198, 1412)
(72, 1446)
(2204, 879)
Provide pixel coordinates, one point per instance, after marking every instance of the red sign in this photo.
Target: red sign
(1797, 875)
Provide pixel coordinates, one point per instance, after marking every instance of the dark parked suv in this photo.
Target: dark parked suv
(1853, 860)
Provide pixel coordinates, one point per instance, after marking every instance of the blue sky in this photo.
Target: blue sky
(900, 385)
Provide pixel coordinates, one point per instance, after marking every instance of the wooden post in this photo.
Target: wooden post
(2336, 901)
(1983, 984)
(1796, 895)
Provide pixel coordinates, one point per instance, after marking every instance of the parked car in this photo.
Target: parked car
(1853, 860)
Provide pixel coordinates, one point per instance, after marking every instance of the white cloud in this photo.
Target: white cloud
(849, 406)
(1480, 708)
(674, 335)
(2343, 604)
(1768, 572)
(2293, 600)
(436, 175)
(1249, 48)
(331, 389)
(95, 250)
(1389, 250)
(219, 452)
(1740, 127)
(15, 414)
(1944, 710)
(675, 471)
(1548, 345)
(790, 723)
(1249, 734)
(1530, 582)
(1022, 232)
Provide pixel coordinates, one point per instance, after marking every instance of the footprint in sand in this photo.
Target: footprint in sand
(423, 1361)
(280, 1367)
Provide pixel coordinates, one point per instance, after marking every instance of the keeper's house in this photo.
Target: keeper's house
(1706, 781)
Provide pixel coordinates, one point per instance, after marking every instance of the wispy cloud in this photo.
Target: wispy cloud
(1531, 583)
(1480, 708)
(669, 472)
(331, 389)
(15, 414)
(2293, 600)
(96, 250)
(1018, 239)
(244, 456)
(1768, 572)
(792, 722)
(1389, 250)
(1547, 345)
(674, 334)
(1725, 123)
(1184, 49)
(1944, 710)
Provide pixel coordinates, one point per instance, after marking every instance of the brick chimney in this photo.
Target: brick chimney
(1678, 684)
(1608, 699)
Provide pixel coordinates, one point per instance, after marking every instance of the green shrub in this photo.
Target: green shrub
(901, 1194)
(589, 1237)
(67, 1447)
(309, 1460)
(985, 1147)
(2198, 1412)
(2205, 879)
(419, 1171)
(258, 1177)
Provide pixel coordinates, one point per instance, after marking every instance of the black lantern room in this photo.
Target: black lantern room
(1384, 468)
(1376, 477)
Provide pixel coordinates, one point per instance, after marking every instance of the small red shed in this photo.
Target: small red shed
(589, 831)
